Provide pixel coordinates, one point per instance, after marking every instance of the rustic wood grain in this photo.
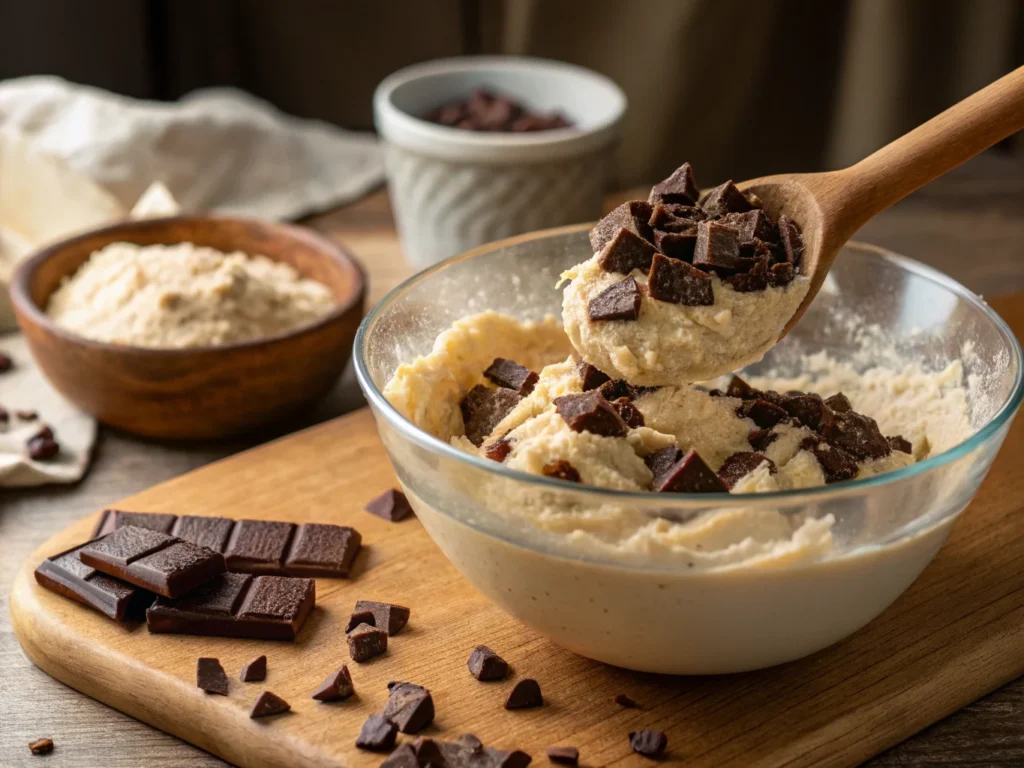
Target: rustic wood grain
(968, 224)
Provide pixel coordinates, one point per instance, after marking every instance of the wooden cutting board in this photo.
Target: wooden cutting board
(954, 636)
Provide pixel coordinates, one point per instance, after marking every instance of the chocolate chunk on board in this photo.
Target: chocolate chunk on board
(590, 412)
(648, 743)
(725, 199)
(40, 746)
(511, 375)
(365, 642)
(500, 449)
(468, 752)
(483, 409)
(525, 695)
(677, 245)
(238, 605)
(165, 565)
(591, 376)
(690, 474)
(633, 216)
(677, 282)
(428, 751)
(562, 470)
(900, 443)
(267, 704)
(630, 413)
(360, 617)
(387, 616)
(336, 686)
(69, 577)
(741, 464)
(404, 756)
(392, 505)
(718, 249)
(856, 434)
(792, 240)
(680, 187)
(210, 676)
(762, 412)
(409, 706)
(486, 665)
(620, 301)
(563, 755)
(625, 701)
(377, 734)
(625, 252)
(255, 671)
(836, 464)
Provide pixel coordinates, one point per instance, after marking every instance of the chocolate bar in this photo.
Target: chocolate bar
(255, 546)
(163, 564)
(238, 605)
(66, 575)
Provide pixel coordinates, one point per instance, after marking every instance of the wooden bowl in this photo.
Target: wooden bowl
(204, 392)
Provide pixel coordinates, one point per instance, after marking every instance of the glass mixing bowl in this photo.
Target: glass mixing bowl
(658, 615)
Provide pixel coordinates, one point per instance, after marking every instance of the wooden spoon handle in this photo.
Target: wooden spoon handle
(928, 151)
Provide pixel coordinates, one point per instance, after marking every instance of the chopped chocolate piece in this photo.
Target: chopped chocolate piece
(255, 671)
(690, 475)
(715, 393)
(662, 461)
(625, 702)
(112, 519)
(741, 464)
(760, 439)
(677, 245)
(42, 448)
(839, 403)
(751, 281)
(671, 218)
(210, 676)
(792, 240)
(320, 549)
(365, 642)
(677, 282)
(258, 546)
(618, 388)
(483, 408)
(40, 746)
(562, 470)
(858, 435)
(360, 617)
(564, 755)
(267, 704)
(781, 274)
(27, 415)
(525, 695)
(774, 398)
(725, 199)
(470, 742)
(427, 751)
(900, 443)
(648, 743)
(836, 464)
(387, 616)
(377, 734)
(466, 752)
(591, 376)
(391, 505)
(633, 216)
(6, 363)
(404, 756)
(620, 301)
(500, 449)
(739, 388)
(68, 576)
(486, 665)
(763, 413)
(751, 225)
(808, 408)
(629, 412)
(625, 252)
(590, 412)
(238, 605)
(46, 432)
(409, 706)
(680, 187)
(511, 375)
(336, 686)
(211, 532)
(718, 249)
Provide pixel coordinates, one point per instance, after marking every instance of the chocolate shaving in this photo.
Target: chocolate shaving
(562, 470)
(511, 375)
(677, 282)
(410, 707)
(486, 665)
(690, 475)
(633, 216)
(725, 199)
(525, 695)
(620, 301)
(590, 412)
(625, 252)
(741, 464)
(336, 686)
(483, 409)
(591, 377)
(680, 187)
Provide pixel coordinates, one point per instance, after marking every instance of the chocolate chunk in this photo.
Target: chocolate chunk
(211, 532)
(633, 216)
(751, 225)
(858, 435)
(46, 432)
(562, 470)
(673, 218)
(360, 617)
(392, 505)
(763, 413)
(648, 743)
(690, 475)
(620, 301)
(336, 686)
(410, 707)
(525, 695)
(839, 403)
(680, 187)
(792, 240)
(718, 249)
(781, 274)
(255, 671)
(403, 756)
(591, 376)
(629, 412)
(808, 408)
(377, 734)
(467, 752)
(500, 449)
(387, 616)
(484, 408)
(564, 755)
(112, 519)
(753, 280)
(6, 363)
(900, 443)
(471, 742)
(68, 576)
(486, 665)
(625, 252)
(511, 375)
(210, 676)
(677, 282)
(760, 439)
(619, 388)
(741, 464)
(739, 388)
(677, 245)
(39, 746)
(27, 415)
(662, 461)
(725, 199)
(42, 448)
(625, 702)
(590, 412)
(836, 464)
(427, 751)
(365, 642)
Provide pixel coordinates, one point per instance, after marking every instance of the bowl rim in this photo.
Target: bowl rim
(26, 308)
(771, 498)
(414, 133)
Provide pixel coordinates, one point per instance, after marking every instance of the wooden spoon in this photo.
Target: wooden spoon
(831, 206)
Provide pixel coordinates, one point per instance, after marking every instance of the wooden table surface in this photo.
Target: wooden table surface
(969, 224)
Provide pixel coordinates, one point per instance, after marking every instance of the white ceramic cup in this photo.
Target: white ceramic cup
(454, 189)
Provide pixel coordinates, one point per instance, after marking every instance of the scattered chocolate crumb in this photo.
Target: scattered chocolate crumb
(625, 252)
(564, 755)
(590, 412)
(624, 701)
(391, 505)
(365, 642)
(648, 743)
(483, 408)
(40, 746)
(336, 686)
(267, 704)
(741, 464)
(525, 695)
(562, 470)
(255, 671)
(210, 676)
(486, 665)
(690, 474)
(620, 301)
(6, 363)
(677, 282)
(511, 375)
(680, 187)
(403, 756)
(388, 616)
(377, 734)
(410, 707)
(900, 443)
(360, 617)
(591, 376)
(27, 415)
(500, 449)
(630, 413)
